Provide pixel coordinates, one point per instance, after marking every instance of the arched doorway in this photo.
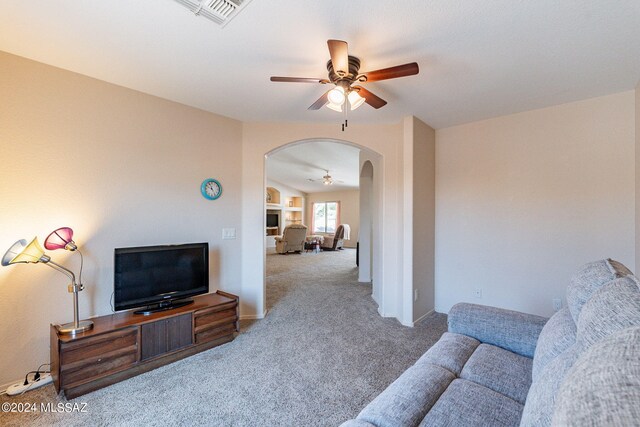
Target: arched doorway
(373, 223)
(365, 255)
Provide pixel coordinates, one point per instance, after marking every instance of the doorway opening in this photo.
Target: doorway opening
(324, 186)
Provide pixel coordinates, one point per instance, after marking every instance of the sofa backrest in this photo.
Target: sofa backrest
(588, 279)
(556, 337)
(603, 387)
(560, 331)
(603, 299)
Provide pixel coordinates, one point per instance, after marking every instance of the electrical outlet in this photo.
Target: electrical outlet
(477, 293)
(557, 304)
(415, 295)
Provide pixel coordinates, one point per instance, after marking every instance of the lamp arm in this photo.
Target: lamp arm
(62, 270)
(73, 288)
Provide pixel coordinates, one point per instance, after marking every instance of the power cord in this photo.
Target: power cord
(37, 373)
(111, 302)
(36, 377)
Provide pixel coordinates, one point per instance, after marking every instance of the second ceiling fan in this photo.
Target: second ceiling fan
(326, 180)
(344, 72)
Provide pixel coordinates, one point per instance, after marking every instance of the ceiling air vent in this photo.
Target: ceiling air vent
(219, 11)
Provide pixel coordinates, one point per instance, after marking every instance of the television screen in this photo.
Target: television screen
(272, 220)
(158, 274)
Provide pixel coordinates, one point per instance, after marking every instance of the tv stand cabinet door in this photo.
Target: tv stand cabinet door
(179, 332)
(163, 336)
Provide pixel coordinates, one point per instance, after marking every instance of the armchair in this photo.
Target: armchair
(335, 242)
(292, 239)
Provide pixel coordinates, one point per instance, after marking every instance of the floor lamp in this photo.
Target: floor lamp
(21, 252)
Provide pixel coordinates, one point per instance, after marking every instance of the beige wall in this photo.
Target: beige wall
(423, 157)
(121, 168)
(371, 250)
(349, 210)
(523, 200)
(637, 157)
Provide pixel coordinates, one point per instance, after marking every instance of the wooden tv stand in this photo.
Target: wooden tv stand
(123, 345)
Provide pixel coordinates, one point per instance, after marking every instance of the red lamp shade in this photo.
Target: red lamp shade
(62, 238)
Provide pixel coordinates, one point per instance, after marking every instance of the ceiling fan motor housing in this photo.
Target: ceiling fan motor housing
(354, 67)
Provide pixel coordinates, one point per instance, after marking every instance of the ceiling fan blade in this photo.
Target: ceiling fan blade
(393, 72)
(339, 56)
(371, 99)
(298, 80)
(320, 102)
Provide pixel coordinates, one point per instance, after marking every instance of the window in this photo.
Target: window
(325, 217)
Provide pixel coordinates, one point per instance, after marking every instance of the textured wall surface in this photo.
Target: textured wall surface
(122, 169)
(523, 200)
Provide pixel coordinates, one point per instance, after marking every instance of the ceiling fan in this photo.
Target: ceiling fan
(327, 179)
(344, 71)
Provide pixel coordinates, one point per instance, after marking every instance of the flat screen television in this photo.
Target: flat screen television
(272, 220)
(159, 277)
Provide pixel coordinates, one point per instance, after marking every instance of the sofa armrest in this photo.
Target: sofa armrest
(512, 330)
(279, 238)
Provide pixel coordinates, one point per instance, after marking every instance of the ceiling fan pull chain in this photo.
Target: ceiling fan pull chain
(346, 114)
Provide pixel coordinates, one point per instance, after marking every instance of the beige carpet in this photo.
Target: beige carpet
(321, 354)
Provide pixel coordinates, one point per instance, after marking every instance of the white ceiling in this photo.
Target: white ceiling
(478, 59)
(295, 165)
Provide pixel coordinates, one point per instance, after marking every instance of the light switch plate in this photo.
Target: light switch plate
(228, 233)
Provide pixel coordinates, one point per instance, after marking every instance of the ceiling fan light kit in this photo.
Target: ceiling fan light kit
(335, 107)
(344, 71)
(336, 95)
(327, 180)
(355, 100)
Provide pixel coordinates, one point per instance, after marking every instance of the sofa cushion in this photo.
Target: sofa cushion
(500, 370)
(603, 387)
(538, 408)
(466, 403)
(557, 335)
(451, 352)
(613, 307)
(406, 401)
(589, 278)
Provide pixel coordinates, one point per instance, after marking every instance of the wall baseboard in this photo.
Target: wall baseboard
(253, 316)
(428, 313)
(441, 310)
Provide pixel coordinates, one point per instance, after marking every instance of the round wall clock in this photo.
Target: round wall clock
(211, 189)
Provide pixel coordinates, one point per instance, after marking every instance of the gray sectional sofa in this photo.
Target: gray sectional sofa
(497, 367)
